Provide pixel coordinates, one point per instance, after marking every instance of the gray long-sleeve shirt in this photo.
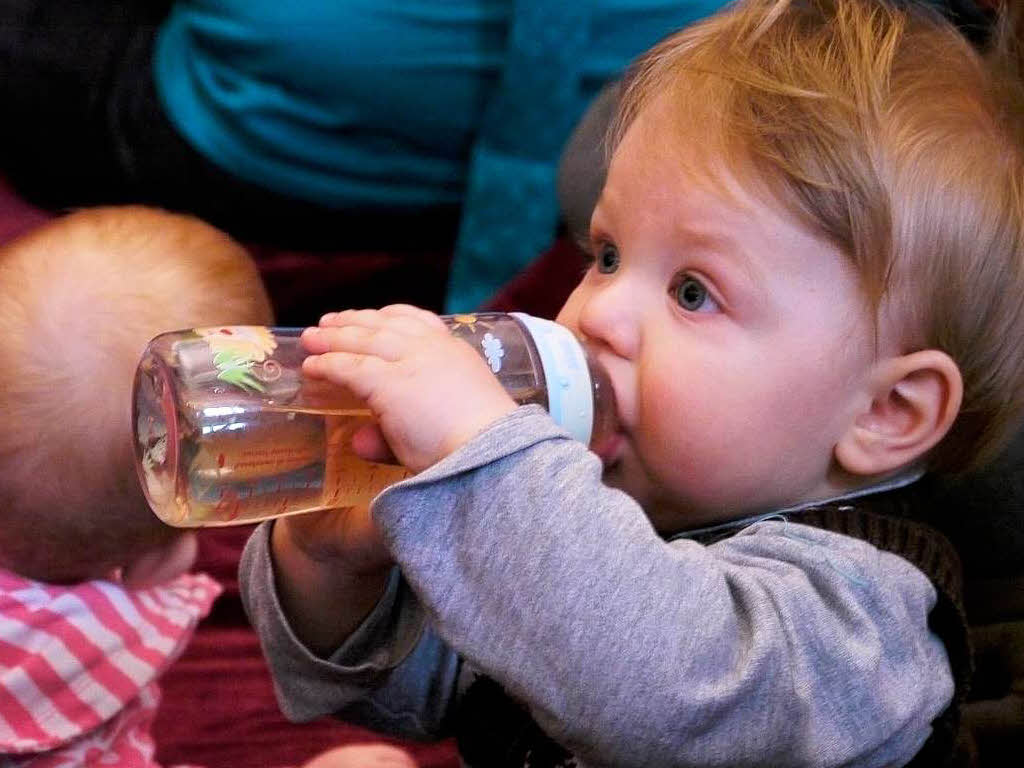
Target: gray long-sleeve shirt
(781, 645)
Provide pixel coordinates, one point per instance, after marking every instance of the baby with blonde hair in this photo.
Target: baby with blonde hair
(95, 596)
(96, 600)
(79, 299)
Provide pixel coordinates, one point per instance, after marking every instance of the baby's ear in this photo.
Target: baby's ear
(168, 561)
(914, 400)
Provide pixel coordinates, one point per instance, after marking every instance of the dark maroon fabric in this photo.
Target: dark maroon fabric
(303, 285)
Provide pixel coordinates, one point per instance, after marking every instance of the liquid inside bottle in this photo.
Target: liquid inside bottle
(228, 431)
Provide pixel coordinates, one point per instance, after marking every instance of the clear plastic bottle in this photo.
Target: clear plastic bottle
(227, 430)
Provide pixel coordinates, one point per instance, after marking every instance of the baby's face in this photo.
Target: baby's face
(737, 341)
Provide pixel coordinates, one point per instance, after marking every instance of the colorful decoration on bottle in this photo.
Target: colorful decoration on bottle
(493, 351)
(237, 349)
(463, 325)
(467, 321)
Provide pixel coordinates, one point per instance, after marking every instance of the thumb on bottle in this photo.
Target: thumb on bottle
(368, 443)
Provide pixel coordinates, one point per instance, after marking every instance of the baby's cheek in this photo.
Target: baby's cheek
(696, 438)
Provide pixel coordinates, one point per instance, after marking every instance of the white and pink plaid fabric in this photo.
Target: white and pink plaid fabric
(79, 665)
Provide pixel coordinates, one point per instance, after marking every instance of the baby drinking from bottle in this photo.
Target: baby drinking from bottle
(805, 286)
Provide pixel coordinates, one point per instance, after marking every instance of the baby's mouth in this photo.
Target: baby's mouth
(609, 449)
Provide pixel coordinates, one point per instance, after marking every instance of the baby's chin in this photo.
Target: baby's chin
(621, 475)
(668, 512)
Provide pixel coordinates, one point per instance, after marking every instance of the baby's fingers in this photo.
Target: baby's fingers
(384, 342)
(408, 311)
(405, 316)
(367, 317)
(368, 443)
(360, 374)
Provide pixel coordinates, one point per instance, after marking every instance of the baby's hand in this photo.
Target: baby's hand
(429, 391)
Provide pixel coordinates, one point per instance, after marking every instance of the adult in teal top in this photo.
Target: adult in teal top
(360, 103)
(405, 103)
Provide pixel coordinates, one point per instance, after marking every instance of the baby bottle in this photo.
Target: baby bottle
(228, 431)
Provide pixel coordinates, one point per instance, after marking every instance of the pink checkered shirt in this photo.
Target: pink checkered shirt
(79, 667)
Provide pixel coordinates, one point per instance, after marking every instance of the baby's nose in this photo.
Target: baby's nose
(609, 317)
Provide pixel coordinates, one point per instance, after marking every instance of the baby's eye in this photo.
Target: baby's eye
(692, 295)
(607, 259)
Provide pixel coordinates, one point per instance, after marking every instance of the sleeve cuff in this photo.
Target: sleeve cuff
(309, 686)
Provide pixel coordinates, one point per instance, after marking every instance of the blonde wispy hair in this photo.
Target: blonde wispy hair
(881, 127)
(79, 299)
